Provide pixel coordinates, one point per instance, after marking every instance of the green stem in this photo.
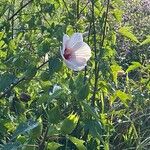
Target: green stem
(95, 54)
(66, 142)
(97, 64)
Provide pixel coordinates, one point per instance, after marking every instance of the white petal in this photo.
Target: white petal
(65, 39)
(81, 49)
(75, 38)
(76, 64)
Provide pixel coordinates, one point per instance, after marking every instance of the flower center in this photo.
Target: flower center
(67, 54)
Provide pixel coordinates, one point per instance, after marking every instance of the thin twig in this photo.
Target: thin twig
(66, 6)
(97, 65)
(19, 10)
(95, 53)
(42, 144)
(83, 8)
(19, 81)
(78, 15)
(16, 13)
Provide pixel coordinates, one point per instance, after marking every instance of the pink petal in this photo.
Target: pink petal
(65, 39)
(76, 64)
(75, 38)
(82, 50)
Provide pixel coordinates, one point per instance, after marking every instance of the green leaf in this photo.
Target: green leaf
(45, 76)
(115, 68)
(12, 146)
(83, 92)
(118, 14)
(55, 65)
(44, 47)
(134, 66)
(90, 110)
(126, 32)
(36, 132)
(79, 81)
(94, 127)
(47, 98)
(12, 45)
(53, 113)
(77, 142)
(24, 127)
(146, 41)
(6, 79)
(69, 123)
(72, 86)
(31, 72)
(1, 35)
(124, 98)
(1, 43)
(53, 146)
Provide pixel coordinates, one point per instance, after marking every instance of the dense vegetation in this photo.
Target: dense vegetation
(46, 105)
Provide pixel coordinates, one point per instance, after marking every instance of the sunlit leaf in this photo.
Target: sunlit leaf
(118, 14)
(69, 123)
(126, 32)
(115, 68)
(146, 41)
(77, 142)
(134, 66)
(95, 128)
(90, 110)
(6, 80)
(12, 146)
(83, 92)
(124, 98)
(53, 146)
(24, 127)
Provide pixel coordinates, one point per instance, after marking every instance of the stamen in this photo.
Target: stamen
(67, 54)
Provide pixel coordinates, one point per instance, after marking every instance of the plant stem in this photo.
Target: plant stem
(18, 81)
(97, 64)
(95, 54)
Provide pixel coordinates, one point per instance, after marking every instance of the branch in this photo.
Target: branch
(95, 53)
(19, 10)
(18, 81)
(10, 18)
(97, 65)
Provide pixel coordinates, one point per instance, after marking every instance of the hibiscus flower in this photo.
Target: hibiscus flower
(75, 52)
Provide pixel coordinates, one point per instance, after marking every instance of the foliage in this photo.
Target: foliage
(45, 105)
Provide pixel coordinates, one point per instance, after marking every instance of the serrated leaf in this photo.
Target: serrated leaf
(69, 123)
(79, 81)
(11, 146)
(31, 72)
(77, 142)
(83, 92)
(122, 96)
(94, 127)
(55, 64)
(6, 79)
(146, 41)
(1, 35)
(1, 43)
(25, 127)
(53, 113)
(134, 66)
(12, 44)
(118, 14)
(90, 110)
(126, 32)
(47, 98)
(115, 68)
(53, 146)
